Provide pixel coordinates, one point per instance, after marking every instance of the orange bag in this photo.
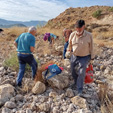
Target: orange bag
(89, 74)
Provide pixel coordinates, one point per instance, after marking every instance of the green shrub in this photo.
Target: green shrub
(97, 14)
(12, 62)
(111, 9)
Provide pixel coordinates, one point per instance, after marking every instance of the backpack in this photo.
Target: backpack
(46, 36)
(54, 70)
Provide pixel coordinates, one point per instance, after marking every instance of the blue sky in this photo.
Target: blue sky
(26, 10)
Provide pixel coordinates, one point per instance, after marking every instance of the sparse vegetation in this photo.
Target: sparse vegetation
(111, 9)
(10, 34)
(44, 30)
(97, 14)
(12, 62)
(106, 104)
(17, 30)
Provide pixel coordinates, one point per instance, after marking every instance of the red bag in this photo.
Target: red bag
(89, 74)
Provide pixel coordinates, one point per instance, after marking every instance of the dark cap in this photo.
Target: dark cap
(1, 30)
(79, 23)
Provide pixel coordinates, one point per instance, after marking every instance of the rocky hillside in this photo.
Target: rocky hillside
(56, 96)
(69, 17)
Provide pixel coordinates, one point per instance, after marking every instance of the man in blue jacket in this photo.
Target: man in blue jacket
(25, 44)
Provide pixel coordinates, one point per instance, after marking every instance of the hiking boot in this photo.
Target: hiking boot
(19, 85)
(80, 94)
(73, 86)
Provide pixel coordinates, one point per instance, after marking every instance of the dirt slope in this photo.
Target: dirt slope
(69, 17)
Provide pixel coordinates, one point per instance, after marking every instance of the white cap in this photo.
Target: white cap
(32, 28)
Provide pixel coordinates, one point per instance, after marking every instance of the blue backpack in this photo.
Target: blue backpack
(54, 70)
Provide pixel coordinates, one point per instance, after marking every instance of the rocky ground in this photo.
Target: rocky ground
(56, 96)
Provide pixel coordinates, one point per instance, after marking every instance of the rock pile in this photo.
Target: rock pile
(57, 96)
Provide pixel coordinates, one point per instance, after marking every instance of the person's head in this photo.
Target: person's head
(64, 29)
(1, 30)
(79, 27)
(57, 37)
(32, 30)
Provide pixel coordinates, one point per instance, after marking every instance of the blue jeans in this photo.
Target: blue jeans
(78, 70)
(49, 39)
(65, 49)
(23, 60)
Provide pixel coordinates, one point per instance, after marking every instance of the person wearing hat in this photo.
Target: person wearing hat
(25, 44)
(81, 42)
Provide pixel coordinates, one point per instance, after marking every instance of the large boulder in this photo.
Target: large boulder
(59, 48)
(10, 105)
(82, 111)
(39, 88)
(44, 107)
(69, 93)
(110, 85)
(59, 81)
(6, 92)
(6, 110)
(19, 97)
(79, 101)
(66, 62)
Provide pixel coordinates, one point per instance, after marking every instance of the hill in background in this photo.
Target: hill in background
(101, 15)
(8, 24)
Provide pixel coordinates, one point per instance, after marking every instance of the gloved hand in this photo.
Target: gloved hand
(68, 54)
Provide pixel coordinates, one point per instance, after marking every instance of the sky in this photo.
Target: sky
(27, 10)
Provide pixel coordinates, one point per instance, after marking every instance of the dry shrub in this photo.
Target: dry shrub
(103, 34)
(105, 101)
(43, 47)
(43, 30)
(105, 43)
(10, 34)
(17, 30)
(97, 50)
(101, 45)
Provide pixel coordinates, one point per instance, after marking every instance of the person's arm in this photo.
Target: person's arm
(69, 48)
(15, 44)
(52, 39)
(65, 50)
(91, 48)
(32, 44)
(32, 49)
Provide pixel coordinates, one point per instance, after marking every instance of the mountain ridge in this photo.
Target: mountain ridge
(5, 23)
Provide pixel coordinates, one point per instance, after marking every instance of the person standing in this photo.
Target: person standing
(1, 32)
(66, 34)
(81, 42)
(25, 44)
